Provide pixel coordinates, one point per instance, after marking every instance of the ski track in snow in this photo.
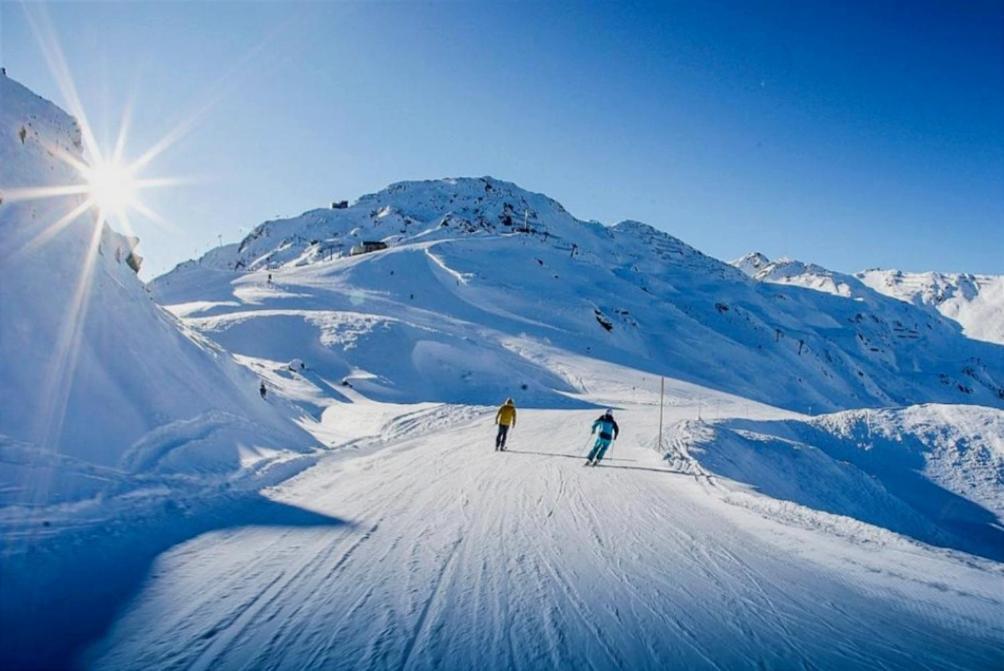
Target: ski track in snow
(457, 557)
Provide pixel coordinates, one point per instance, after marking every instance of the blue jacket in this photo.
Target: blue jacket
(607, 426)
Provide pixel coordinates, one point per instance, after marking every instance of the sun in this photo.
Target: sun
(112, 186)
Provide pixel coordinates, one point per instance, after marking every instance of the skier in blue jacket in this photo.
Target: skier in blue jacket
(606, 431)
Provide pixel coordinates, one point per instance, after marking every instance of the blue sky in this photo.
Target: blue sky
(854, 136)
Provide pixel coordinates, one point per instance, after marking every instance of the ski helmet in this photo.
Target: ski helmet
(609, 412)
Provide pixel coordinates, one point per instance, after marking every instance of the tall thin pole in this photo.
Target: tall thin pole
(662, 395)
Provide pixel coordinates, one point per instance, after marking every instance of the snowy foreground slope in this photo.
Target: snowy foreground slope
(420, 548)
(976, 302)
(102, 391)
(932, 472)
(756, 533)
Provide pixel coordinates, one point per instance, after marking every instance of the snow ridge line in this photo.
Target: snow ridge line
(458, 276)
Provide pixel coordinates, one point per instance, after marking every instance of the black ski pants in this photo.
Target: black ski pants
(500, 438)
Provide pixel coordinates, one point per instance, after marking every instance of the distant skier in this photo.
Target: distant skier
(270, 279)
(606, 429)
(506, 419)
(262, 390)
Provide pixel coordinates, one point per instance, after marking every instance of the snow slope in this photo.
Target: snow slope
(418, 548)
(101, 390)
(974, 301)
(932, 472)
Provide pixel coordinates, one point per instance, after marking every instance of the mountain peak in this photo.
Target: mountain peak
(477, 196)
(751, 263)
(425, 211)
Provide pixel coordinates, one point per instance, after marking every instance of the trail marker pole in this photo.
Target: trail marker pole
(662, 395)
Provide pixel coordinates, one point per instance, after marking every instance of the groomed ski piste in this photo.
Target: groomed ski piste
(414, 545)
(826, 492)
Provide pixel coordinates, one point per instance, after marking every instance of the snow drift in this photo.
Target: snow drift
(931, 472)
(99, 385)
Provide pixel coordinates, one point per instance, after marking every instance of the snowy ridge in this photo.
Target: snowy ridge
(808, 275)
(100, 369)
(751, 263)
(974, 301)
(428, 211)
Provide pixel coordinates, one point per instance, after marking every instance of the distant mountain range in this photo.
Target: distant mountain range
(976, 302)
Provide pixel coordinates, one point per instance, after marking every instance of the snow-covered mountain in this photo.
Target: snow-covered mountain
(480, 275)
(974, 301)
(101, 389)
(808, 275)
(752, 263)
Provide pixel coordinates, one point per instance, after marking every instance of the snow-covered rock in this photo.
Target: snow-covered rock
(808, 275)
(99, 386)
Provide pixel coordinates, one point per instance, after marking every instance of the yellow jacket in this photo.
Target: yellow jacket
(506, 415)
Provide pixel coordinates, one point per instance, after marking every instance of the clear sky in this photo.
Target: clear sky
(851, 134)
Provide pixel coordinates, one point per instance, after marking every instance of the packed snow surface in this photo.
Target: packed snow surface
(416, 546)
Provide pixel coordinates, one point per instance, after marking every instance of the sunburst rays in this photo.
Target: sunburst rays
(103, 185)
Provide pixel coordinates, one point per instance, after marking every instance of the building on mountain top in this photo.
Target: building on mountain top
(367, 246)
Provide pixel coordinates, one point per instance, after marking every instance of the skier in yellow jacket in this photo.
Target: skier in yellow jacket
(506, 419)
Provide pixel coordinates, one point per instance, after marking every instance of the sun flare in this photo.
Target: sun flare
(111, 185)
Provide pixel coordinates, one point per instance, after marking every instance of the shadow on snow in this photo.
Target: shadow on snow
(62, 594)
(604, 464)
(883, 485)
